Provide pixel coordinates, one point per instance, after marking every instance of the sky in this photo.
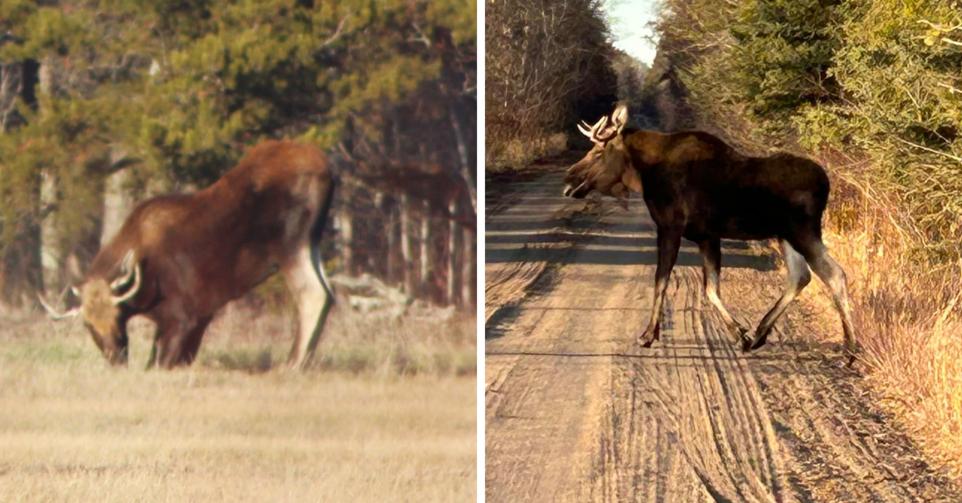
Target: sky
(629, 23)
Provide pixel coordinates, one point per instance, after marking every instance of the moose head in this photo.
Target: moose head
(607, 167)
(102, 299)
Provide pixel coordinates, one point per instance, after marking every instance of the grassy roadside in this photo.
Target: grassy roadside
(906, 314)
(518, 153)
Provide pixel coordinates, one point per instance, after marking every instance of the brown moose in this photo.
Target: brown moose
(179, 258)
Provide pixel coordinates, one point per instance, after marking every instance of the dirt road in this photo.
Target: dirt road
(576, 411)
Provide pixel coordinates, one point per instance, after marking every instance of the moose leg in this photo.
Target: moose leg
(834, 277)
(313, 305)
(168, 347)
(152, 359)
(177, 344)
(798, 278)
(191, 342)
(711, 269)
(668, 242)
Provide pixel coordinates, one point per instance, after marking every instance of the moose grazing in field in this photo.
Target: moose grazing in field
(179, 258)
(697, 187)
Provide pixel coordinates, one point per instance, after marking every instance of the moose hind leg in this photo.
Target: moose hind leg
(313, 304)
(711, 270)
(798, 278)
(834, 278)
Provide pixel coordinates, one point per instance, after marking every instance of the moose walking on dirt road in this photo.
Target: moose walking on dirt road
(698, 187)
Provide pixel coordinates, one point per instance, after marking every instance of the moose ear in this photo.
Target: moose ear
(620, 116)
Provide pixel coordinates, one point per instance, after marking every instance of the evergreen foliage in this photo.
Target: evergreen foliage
(881, 79)
(182, 87)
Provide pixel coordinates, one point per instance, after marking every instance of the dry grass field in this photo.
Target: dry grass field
(387, 414)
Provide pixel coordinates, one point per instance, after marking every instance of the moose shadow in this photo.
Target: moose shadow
(544, 227)
(533, 233)
(598, 248)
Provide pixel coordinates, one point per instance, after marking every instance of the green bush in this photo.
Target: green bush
(878, 79)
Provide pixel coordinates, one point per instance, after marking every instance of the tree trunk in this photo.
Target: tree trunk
(407, 260)
(117, 205)
(468, 264)
(52, 257)
(391, 255)
(21, 272)
(346, 226)
(466, 167)
(425, 255)
(9, 90)
(452, 253)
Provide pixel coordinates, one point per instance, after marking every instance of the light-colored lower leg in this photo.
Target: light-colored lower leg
(711, 291)
(711, 271)
(313, 304)
(798, 277)
(834, 277)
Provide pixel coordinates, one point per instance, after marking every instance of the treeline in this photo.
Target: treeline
(877, 81)
(104, 102)
(548, 65)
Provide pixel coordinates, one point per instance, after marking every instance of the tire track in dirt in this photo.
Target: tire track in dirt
(576, 411)
(703, 394)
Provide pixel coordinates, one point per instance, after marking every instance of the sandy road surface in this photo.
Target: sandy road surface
(575, 411)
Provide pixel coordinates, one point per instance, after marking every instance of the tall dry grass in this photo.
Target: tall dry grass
(906, 311)
(428, 340)
(386, 413)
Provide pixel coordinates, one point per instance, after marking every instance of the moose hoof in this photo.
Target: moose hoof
(753, 344)
(740, 334)
(759, 342)
(649, 337)
(851, 351)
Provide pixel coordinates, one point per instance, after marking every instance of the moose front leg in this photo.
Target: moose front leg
(711, 270)
(177, 343)
(668, 242)
(152, 359)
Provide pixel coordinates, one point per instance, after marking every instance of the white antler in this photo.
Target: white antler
(132, 270)
(594, 132)
(591, 131)
(56, 315)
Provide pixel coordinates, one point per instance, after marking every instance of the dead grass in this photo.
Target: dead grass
(432, 342)
(520, 152)
(384, 415)
(907, 314)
